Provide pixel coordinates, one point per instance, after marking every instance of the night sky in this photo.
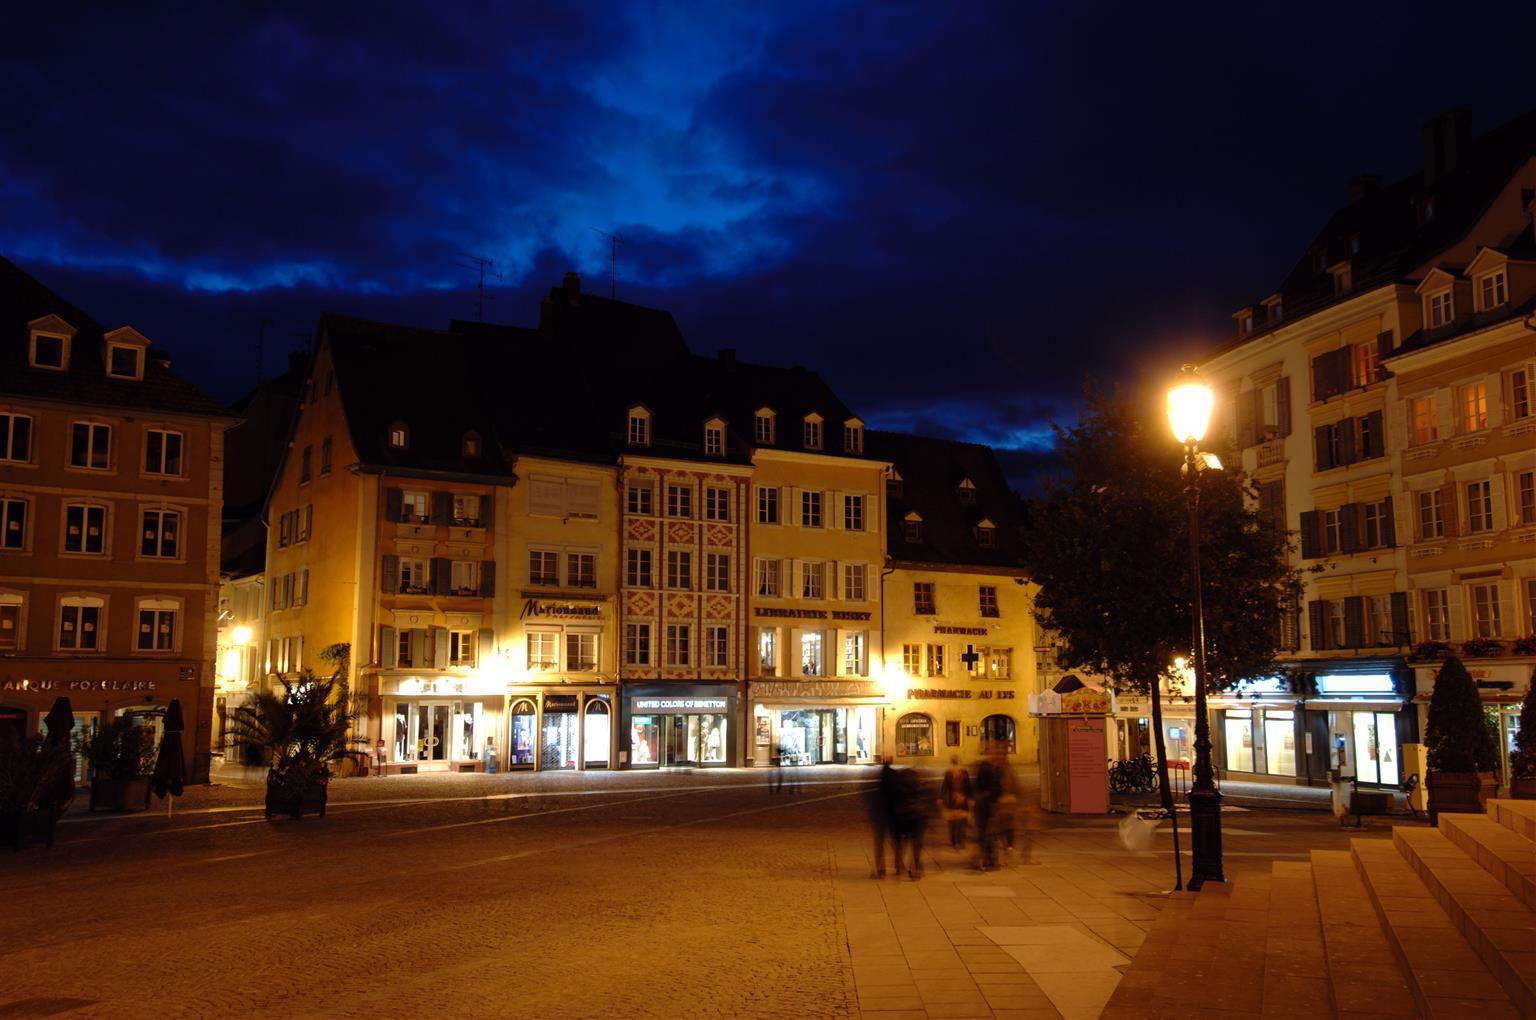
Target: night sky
(956, 212)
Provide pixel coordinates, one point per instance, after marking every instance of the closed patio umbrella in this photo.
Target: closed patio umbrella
(60, 721)
(171, 763)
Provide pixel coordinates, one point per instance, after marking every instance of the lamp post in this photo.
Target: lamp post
(1189, 413)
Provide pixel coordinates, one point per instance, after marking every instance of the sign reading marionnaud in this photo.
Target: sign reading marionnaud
(562, 610)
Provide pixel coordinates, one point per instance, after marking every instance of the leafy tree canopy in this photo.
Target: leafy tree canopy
(1108, 544)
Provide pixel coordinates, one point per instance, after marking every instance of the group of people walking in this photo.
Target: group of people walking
(902, 805)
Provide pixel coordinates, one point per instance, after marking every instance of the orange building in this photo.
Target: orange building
(111, 491)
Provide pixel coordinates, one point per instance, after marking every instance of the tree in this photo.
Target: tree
(1522, 764)
(1457, 738)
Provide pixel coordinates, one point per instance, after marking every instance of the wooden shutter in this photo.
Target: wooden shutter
(1448, 508)
(304, 587)
(442, 508)
(1317, 619)
(439, 647)
(419, 647)
(1247, 419)
(1500, 510)
(389, 575)
(485, 646)
(394, 504)
(1320, 390)
(1388, 524)
(1283, 405)
(1311, 535)
(1346, 431)
(487, 578)
(1354, 621)
(1349, 527)
(836, 499)
(1376, 426)
(1338, 369)
(389, 647)
(1454, 609)
(1322, 446)
(487, 505)
(1401, 634)
(440, 575)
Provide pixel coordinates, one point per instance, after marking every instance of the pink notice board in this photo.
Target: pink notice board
(1087, 767)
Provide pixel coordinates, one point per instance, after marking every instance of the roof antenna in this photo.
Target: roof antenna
(481, 264)
(614, 242)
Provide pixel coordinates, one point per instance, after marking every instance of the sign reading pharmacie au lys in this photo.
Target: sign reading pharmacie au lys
(559, 609)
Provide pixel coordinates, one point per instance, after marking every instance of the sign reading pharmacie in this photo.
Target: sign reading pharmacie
(561, 609)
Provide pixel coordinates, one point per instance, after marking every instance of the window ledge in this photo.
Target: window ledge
(1419, 552)
(1472, 544)
(1470, 440)
(1524, 427)
(1425, 452)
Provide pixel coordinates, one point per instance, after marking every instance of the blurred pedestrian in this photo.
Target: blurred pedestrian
(1006, 812)
(910, 820)
(882, 811)
(986, 793)
(955, 800)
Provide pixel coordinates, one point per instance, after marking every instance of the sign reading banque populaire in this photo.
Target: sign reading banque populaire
(76, 685)
(561, 610)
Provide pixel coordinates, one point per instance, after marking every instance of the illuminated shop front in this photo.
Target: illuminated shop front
(681, 724)
(562, 730)
(822, 722)
(1362, 720)
(1501, 686)
(440, 725)
(1256, 731)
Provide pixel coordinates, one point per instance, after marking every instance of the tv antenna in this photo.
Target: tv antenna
(614, 243)
(483, 265)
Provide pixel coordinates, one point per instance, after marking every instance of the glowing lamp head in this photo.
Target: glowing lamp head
(241, 635)
(1190, 404)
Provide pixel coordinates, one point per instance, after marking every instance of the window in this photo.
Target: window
(1519, 397)
(679, 501)
(678, 640)
(80, 624)
(717, 572)
(162, 452)
(543, 651)
(638, 499)
(1437, 614)
(464, 577)
(543, 567)
(762, 427)
(639, 429)
(306, 464)
(768, 578)
(85, 528)
(893, 483)
(1363, 363)
(912, 660)
(581, 570)
(813, 580)
(469, 446)
(1373, 516)
(768, 651)
(922, 597)
(767, 505)
(90, 446)
(988, 600)
(1378, 620)
(679, 568)
(461, 648)
(325, 456)
(1486, 622)
(1333, 618)
(856, 654)
(1472, 407)
(637, 568)
(637, 644)
(967, 492)
(986, 535)
(1333, 530)
(1431, 522)
(716, 646)
(15, 437)
(1441, 310)
(914, 736)
(714, 440)
(717, 503)
(1493, 290)
(1479, 507)
(413, 507)
(999, 663)
(1421, 415)
(13, 524)
(912, 529)
(812, 433)
(158, 533)
(813, 661)
(853, 438)
(49, 351)
(399, 436)
(1525, 485)
(854, 580)
(853, 513)
(466, 509)
(935, 660)
(580, 652)
(157, 626)
(10, 623)
(810, 509)
(413, 576)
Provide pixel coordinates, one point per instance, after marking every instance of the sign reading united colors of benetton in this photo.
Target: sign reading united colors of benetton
(534, 608)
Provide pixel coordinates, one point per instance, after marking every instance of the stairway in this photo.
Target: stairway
(1432, 923)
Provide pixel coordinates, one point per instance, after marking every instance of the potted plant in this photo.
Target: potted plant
(1482, 648)
(302, 731)
(1523, 646)
(1461, 754)
(121, 755)
(1522, 764)
(31, 770)
(1424, 651)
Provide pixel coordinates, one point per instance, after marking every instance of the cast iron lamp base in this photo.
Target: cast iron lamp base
(1205, 837)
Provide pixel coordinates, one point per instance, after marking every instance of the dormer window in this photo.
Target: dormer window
(714, 438)
(1439, 308)
(986, 535)
(49, 351)
(893, 483)
(1492, 290)
(1343, 278)
(125, 362)
(1273, 308)
(470, 446)
(853, 436)
(812, 432)
(967, 492)
(762, 427)
(912, 528)
(399, 436)
(639, 431)
(1244, 323)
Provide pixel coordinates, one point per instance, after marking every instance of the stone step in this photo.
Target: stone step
(1295, 958)
(1517, 815)
(1498, 926)
(1137, 995)
(1505, 854)
(1446, 976)
(1364, 974)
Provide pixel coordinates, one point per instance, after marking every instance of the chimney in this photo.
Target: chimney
(1362, 186)
(1446, 138)
(727, 355)
(572, 288)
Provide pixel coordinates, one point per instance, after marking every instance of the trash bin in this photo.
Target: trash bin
(490, 754)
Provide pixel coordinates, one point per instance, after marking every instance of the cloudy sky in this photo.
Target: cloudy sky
(956, 211)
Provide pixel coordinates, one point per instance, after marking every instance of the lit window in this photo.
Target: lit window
(813, 660)
(399, 436)
(413, 507)
(464, 577)
(1493, 290)
(1472, 407)
(466, 508)
(912, 660)
(935, 660)
(768, 651)
(543, 651)
(1363, 360)
(1422, 412)
(856, 654)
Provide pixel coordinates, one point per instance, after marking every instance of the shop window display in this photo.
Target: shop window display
(914, 736)
(595, 735)
(560, 739)
(1280, 743)
(644, 738)
(997, 734)
(524, 733)
(1238, 729)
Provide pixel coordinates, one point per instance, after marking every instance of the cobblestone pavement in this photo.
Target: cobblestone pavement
(628, 894)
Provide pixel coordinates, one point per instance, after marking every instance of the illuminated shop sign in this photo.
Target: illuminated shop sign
(1356, 683)
(679, 704)
(969, 631)
(810, 614)
(820, 689)
(534, 608)
(76, 685)
(917, 693)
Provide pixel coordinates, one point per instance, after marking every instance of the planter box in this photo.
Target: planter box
(1459, 792)
(1523, 789)
(24, 828)
(120, 794)
(281, 801)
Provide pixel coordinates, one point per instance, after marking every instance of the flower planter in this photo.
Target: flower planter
(282, 800)
(1459, 792)
(120, 794)
(24, 828)
(1523, 789)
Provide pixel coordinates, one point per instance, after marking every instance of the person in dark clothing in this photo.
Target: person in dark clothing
(882, 809)
(910, 820)
(955, 799)
(988, 789)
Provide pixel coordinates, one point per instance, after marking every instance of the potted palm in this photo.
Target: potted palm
(301, 731)
(31, 771)
(1461, 753)
(1522, 764)
(120, 755)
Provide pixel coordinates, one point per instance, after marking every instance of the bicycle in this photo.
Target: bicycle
(1135, 775)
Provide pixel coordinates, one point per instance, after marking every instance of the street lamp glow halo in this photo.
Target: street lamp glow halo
(241, 635)
(1190, 404)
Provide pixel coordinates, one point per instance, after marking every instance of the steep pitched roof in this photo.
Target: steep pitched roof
(23, 300)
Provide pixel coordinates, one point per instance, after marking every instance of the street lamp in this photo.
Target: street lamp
(1189, 413)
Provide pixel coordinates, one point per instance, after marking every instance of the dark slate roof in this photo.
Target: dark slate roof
(1392, 240)
(23, 299)
(931, 471)
(1474, 323)
(254, 448)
